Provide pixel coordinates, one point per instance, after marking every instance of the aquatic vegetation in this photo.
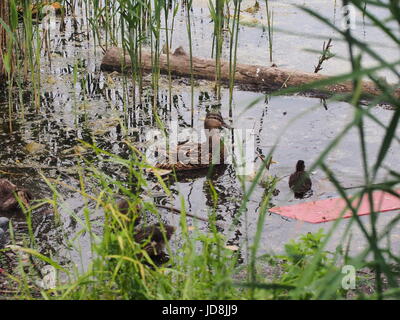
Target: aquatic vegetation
(270, 24)
(203, 262)
(194, 155)
(325, 56)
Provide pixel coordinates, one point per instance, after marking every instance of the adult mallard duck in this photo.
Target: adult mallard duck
(300, 181)
(194, 155)
(8, 197)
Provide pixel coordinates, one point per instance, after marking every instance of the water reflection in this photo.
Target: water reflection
(106, 110)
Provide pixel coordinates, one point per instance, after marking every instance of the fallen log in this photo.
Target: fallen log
(251, 77)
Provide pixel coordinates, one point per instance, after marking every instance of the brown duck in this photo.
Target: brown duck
(152, 237)
(200, 155)
(8, 197)
(300, 181)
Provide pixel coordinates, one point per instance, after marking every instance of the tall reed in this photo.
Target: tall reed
(204, 267)
(270, 25)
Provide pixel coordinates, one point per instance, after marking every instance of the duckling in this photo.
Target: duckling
(8, 200)
(152, 239)
(152, 236)
(124, 207)
(199, 155)
(300, 181)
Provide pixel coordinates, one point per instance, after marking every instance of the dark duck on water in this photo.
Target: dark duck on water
(9, 193)
(154, 238)
(300, 181)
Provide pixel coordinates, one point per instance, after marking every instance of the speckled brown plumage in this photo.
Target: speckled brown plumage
(8, 200)
(151, 237)
(154, 238)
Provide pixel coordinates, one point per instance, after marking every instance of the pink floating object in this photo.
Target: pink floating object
(331, 209)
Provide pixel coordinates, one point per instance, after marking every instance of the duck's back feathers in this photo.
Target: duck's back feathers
(300, 182)
(8, 201)
(195, 156)
(154, 236)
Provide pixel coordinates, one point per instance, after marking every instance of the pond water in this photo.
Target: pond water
(93, 110)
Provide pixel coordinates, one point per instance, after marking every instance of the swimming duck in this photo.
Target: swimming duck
(192, 152)
(300, 181)
(8, 199)
(253, 9)
(153, 237)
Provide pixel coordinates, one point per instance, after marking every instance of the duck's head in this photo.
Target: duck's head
(169, 231)
(300, 166)
(214, 120)
(25, 196)
(125, 208)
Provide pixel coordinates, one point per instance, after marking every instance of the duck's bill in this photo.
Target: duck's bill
(270, 162)
(226, 126)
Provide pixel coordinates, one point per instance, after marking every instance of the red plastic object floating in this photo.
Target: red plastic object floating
(331, 209)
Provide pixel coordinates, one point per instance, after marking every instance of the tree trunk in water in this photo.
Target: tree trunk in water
(250, 77)
(4, 14)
